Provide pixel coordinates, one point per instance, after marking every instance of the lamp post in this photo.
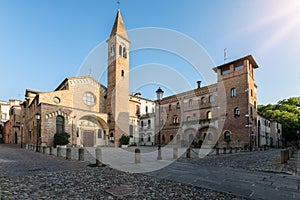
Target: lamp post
(38, 119)
(249, 125)
(159, 94)
(22, 134)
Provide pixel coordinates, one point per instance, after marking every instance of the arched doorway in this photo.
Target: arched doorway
(92, 131)
(207, 135)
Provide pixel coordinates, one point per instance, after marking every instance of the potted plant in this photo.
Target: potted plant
(124, 141)
(61, 139)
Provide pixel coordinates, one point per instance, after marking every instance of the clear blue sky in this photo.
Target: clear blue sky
(43, 42)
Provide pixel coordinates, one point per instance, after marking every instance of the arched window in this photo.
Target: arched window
(142, 123)
(175, 119)
(178, 105)
(233, 92)
(208, 115)
(190, 103)
(251, 93)
(120, 50)
(60, 124)
(122, 73)
(149, 123)
(188, 118)
(137, 108)
(146, 108)
(112, 51)
(251, 111)
(237, 112)
(211, 98)
(227, 136)
(124, 52)
(203, 100)
(131, 130)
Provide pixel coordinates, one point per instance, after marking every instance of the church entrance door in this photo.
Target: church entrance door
(88, 138)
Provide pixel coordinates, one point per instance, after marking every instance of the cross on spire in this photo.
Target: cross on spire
(118, 2)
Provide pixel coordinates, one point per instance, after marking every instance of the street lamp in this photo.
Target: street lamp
(249, 125)
(159, 94)
(22, 134)
(38, 119)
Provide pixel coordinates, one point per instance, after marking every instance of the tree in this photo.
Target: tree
(287, 112)
(61, 138)
(124, 140)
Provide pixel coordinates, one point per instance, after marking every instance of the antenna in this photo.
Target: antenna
(225, 56)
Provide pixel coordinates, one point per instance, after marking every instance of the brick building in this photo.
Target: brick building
(223, 113)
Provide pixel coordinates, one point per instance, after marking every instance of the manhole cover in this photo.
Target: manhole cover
(119, 191)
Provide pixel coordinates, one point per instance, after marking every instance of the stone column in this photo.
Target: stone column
(224, 150)
(137, 155)
(44, 150)
(58, 152)
(188, 153)
(98, 154)
(175, 153)
(68, 153)
(81, 154)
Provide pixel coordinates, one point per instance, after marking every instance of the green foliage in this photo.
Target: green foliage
(124, 140)
(287, 112)
(61, 138)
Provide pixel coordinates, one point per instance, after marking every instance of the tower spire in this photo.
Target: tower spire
(118, 27)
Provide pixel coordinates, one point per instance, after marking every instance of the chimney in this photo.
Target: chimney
(199, 84)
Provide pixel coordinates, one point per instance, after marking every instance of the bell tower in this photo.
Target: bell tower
(118, 81)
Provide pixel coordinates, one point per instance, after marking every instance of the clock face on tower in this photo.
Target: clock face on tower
(88, 98)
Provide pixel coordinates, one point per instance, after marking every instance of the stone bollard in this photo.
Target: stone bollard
(137, 155)
(58, 152)
(26, 146)
(224, 150)
(283, 156)
(175, 153)
(81, 154)
(68, 153)
(230, 150)
(98, 154)
(44, 150)
(50, 151)
(290, 151)
(236, 149)
(188, 153)
(217, 151)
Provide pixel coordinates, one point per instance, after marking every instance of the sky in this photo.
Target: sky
(43, 42)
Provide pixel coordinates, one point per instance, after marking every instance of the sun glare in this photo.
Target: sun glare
(282, 19)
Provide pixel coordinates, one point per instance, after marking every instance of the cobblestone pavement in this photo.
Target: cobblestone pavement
(29, 175)
(250, 174)
(266, 161)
